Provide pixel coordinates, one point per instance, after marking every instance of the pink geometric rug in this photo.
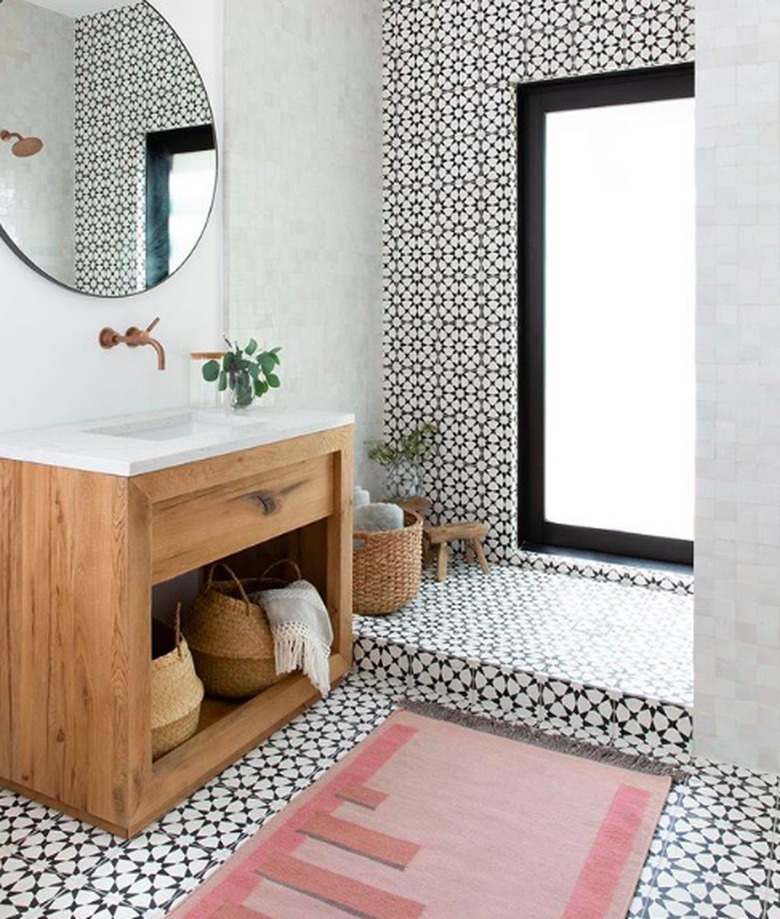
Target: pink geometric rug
(431, 819)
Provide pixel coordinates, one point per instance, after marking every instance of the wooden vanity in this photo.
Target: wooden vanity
(81, 550)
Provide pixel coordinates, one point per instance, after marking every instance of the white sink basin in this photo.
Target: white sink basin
(177, 426)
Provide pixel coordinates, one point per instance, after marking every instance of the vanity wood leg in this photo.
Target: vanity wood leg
(339, 550)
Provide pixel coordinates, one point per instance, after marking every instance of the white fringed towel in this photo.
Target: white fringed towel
(301, 629)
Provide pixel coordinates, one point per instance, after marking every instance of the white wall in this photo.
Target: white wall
(737, 621)
(304, 198)
(52, 367)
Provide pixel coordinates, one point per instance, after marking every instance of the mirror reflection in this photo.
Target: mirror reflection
(108, 156)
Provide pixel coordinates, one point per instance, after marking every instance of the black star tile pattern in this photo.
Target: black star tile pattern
(602, 662)
(451, 313)
(709, 856)
(53, 867)
(594, 636)
(132, 75)
(605, 572)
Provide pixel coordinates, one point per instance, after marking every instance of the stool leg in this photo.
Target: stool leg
(469, 551)
(427, 552)
(483, 562)
(441, 573)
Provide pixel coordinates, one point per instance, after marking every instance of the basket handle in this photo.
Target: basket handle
(177, 629)
(283, 561)
(233, 578)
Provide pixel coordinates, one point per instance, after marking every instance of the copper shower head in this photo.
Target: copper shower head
(24, 146)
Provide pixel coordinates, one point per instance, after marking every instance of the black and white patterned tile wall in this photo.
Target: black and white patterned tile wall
(133, 75)
(450, 213)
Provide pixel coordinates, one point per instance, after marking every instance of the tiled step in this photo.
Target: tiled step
(534, 699)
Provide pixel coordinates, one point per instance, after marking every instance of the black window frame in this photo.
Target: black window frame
(534, 101)
(161, 146)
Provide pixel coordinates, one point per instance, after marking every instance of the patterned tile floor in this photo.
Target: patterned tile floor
(715, 853)
(633, 640)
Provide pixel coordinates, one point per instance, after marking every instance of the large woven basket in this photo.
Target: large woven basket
(387, 568)
(230, 638)
(177, 692)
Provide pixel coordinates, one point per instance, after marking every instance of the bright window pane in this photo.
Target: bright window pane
(191, 189)
(619, 318)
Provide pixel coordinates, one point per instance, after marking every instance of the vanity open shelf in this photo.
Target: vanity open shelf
(80, 552)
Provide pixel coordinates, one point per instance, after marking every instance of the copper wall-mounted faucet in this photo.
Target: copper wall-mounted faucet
(133, 338)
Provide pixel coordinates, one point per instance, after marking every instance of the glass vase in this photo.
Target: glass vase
(242, 390)
(404, 481)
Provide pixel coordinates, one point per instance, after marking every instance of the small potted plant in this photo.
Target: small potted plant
(405, 458)
(246, 372)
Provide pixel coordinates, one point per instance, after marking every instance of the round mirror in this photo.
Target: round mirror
(108, 159)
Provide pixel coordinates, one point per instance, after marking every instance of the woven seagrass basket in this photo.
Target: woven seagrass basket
(387, 568)
(229, 636)
(177, 693)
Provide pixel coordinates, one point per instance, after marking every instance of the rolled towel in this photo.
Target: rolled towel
(378, 517)
(361, 497)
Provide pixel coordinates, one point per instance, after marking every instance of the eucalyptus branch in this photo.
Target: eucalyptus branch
(417, 446)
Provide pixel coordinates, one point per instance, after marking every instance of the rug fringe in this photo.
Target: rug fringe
(637, 762)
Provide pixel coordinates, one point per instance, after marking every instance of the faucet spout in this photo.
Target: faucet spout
(134, 338)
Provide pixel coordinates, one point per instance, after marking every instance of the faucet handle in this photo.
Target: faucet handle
(152, 324)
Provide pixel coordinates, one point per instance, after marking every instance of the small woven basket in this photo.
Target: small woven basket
(230, 638)
(177, 693)
(387, 568)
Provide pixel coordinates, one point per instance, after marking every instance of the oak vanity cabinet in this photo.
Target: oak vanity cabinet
(80, 552)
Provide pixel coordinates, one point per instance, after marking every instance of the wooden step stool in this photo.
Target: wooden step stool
(469, 532)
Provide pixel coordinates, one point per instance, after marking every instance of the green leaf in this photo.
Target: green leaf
(253, 370)
(416, 446)
(229, 362)
(251, 347)
(386, 455)
(222, 385)
(210, 371)
(267, 362)
(273, 380)
(261, 388)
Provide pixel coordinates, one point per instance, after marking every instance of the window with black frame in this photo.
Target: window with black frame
(180, 168)
(606, 256)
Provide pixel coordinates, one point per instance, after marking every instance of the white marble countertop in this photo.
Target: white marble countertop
(134, 444)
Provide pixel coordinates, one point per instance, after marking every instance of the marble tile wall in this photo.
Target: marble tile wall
(737, 643)
(304, 198)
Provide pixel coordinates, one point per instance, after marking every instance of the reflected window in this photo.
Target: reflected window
(180, 169)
